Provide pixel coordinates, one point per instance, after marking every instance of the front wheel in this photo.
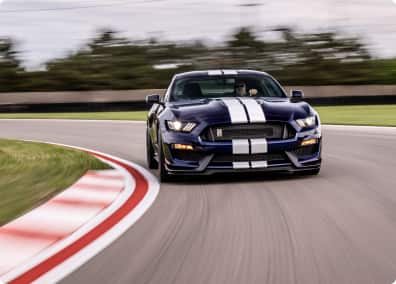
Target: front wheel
(151, 161)
(162, 172)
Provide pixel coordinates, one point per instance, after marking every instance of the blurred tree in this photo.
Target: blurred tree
(9, 66)
(110, 61)
(113, 62)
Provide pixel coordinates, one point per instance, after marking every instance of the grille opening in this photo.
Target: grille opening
(187, 155)
(248, 131)
(224, 158)
(306, 151)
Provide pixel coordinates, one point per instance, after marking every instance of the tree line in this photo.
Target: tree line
(110, 61)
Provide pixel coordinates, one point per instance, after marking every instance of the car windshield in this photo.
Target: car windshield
(222, 86)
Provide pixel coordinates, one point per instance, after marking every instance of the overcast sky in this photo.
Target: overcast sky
(49, 28)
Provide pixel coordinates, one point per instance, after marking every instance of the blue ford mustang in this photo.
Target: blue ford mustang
(231, 121)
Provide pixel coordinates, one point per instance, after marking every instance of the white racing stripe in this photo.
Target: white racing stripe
(240, 146)
(245, 110)
(230, 72)
(252, 165)
(259, 164)
(215, 73)
(236, 111)
(240, 165)
(255, 111)
(259, 146)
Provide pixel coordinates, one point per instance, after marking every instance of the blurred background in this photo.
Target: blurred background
(78, 45)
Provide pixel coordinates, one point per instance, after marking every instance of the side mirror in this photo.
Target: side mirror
(153, 99)
(296, 95)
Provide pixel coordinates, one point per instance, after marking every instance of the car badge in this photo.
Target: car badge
(219, 132)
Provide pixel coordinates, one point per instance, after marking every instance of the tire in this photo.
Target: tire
(150, 155)
(162, 172)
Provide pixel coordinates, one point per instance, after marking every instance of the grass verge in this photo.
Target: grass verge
(375, 115)
(31, 173)
(378, 115)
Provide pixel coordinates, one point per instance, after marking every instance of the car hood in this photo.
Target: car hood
(217, 111)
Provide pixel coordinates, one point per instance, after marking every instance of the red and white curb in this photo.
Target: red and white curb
(53, 240)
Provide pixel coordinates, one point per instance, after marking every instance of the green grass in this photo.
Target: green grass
(31, 173)
(376, 115)
(379, 115)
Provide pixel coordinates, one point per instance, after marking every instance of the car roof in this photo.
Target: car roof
(219, 72)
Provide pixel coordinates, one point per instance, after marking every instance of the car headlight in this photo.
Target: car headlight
(307, 122)
(179, 126)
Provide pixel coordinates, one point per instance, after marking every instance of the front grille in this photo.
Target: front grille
(225, 158)
(248, 131)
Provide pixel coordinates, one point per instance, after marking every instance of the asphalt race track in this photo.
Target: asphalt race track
(338, 227)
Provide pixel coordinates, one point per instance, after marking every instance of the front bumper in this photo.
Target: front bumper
(217, 157)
